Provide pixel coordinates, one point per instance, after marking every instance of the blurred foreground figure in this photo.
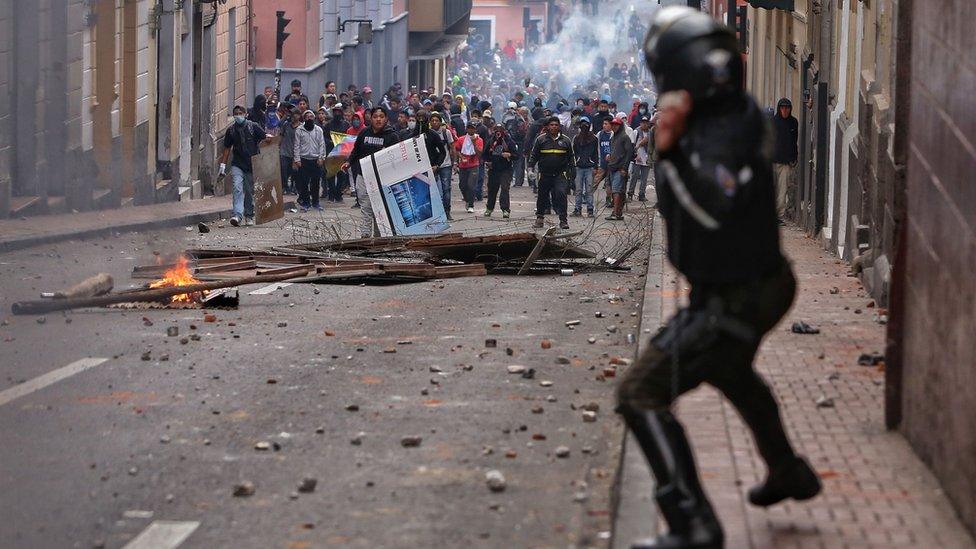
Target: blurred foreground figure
(716, 195)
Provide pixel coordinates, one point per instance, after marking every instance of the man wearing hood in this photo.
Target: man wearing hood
(639, 112)
(436, 151)
(374, 138)
(621, 151)
(587, 156)
(308, 157)
(784, 152)
(500, 156)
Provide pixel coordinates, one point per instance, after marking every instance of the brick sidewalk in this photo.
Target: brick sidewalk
(876, 491)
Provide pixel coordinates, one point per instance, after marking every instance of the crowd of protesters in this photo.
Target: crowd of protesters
(486, 130)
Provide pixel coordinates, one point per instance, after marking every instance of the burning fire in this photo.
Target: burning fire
(178, 275)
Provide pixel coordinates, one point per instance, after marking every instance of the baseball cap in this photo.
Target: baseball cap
(645, 119)
(617, 121)
(584, 120)
(337, 107)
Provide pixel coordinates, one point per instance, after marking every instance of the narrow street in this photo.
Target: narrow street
(331, 378)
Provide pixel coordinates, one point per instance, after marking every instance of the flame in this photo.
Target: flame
(178, 275)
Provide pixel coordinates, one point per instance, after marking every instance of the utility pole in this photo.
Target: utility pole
(280, 37)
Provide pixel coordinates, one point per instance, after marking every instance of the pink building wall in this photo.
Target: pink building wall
(507, 24)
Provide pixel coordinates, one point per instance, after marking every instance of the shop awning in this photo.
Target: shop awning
(438, 48)
(772, 4)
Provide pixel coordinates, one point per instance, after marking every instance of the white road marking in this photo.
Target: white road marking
(49, 378)
(270, 288)
(163, 534)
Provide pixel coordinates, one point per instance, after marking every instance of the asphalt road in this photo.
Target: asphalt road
(95, 458)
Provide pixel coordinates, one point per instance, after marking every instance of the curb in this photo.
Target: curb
(125, 227)
(30, 241)
(635, 512)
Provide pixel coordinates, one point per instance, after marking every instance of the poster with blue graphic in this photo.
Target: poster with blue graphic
(405, 196)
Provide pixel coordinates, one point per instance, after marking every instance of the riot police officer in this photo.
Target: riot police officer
(715, 193)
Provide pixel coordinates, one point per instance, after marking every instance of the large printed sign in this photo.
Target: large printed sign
(406, 198)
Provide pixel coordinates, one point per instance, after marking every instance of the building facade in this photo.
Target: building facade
(114, 102)
(410, 42)
(519, 22)
(882, 91)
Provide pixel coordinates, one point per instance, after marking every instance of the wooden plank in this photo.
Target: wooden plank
(457, 271)
(206, 262)
(536, 251)
(297, 269)
(226, 267)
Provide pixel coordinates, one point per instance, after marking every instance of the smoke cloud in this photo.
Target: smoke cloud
(570, 59)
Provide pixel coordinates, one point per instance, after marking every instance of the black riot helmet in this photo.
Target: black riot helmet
(686, 49)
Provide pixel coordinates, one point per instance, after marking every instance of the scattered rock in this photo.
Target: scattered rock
(511, 454)
(824, 402)
(262, 445)
(320, 430)
(411, 441)
(529, 374)
(562, 451)
(612, 328)
(329, 333)
(598, 314)
(572, 323)
(509, 351)
(591, 340)
(164, 439)
(209, 318)
(562, 360)
(173, 331)
(495, 480)
(282, 324)
(580, 497)
(491, 343)
(352, 407)
(835, 290)
(589, 417)
(537, 409)
(610, 371)
(516, 369)
(41, 319)
(203, 228)
(146, 355)
(389, 350)
(164, 358)
(546, 344)
(307, 485)
(618, 361)
(244, 489)
(586, 299)
(538, 436)
(590, 407)
(801, 327)
(870, 359)
(435, 369)
(551, 398)
(545, 383)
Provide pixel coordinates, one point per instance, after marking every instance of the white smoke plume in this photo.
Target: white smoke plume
(570, 59)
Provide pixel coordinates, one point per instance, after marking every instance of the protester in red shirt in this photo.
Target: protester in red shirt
(470, 147)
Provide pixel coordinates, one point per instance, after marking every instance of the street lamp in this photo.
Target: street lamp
(365, 35)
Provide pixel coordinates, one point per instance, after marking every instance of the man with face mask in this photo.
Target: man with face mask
(309, 154)
(500, 155)
(407, 131)
(243, 139)
(483, 132)
(470, 147)
(435, 145)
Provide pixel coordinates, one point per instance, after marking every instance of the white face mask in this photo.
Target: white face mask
(412, 124)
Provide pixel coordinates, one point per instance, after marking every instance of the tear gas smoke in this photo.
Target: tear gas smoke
(571, 58)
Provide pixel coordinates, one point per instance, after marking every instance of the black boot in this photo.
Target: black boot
(794, 479)
(679, 496)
